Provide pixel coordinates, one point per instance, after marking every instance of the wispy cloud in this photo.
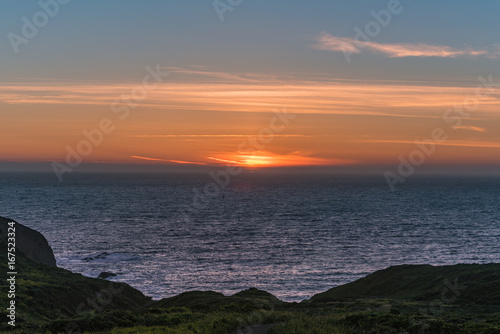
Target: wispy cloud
(397, 50)
(165, 160)
(224, 160)
(457, 143)
(210, 136)
(228, 93)
(204, 73)
(469, 127)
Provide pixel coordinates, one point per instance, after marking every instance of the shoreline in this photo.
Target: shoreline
(464, 298)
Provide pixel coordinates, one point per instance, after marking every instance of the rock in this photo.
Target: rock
(99, 256)
(106, 274)
(30, 242)
(102, 255)
(56, 299)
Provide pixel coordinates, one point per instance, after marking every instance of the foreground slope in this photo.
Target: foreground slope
(44, 293)
(462, 283)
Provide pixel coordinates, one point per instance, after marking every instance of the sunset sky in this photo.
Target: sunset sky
(290, 71)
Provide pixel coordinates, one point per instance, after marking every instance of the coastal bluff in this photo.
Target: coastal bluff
(31, 243)
(47, 299)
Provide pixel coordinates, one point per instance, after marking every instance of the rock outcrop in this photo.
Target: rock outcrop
(30, 242)
(61, 300)
(106, 274)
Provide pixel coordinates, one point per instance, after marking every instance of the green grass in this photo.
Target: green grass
(475, 283)
(46, 293)
(173, 320)
(403, 299)
(385, 323)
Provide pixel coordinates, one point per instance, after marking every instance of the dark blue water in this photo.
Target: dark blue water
(293, 236)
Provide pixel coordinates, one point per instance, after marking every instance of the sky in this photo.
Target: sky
(255, 84)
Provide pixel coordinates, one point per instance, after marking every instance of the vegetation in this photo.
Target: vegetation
(403, 299)
(463, 283)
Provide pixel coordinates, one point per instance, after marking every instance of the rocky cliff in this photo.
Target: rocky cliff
(30, 242)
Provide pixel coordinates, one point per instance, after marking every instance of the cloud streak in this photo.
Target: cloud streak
(397, 50)
(395, 99)
(469, 127)
(210, 136)
(456, 143)
(165, 160)
(263, 93)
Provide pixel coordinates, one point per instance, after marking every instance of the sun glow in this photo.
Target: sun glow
(268, 159)
(247, 160)
(256, 161)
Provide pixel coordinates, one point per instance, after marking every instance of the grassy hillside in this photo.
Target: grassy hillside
(46, 293)
(463, 284)
(247, 300)
(404, 299)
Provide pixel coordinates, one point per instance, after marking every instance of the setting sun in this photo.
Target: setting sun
(268, 159)
(256, 161)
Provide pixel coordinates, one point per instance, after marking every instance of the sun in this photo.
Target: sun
(256, 160)
(248, 160)
(267, 159)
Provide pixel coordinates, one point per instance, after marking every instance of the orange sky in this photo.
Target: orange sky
(203, 117)
(362, 89)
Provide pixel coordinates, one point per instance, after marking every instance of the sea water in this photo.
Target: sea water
(291, 235)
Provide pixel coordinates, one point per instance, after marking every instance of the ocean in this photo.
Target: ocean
(291, 235)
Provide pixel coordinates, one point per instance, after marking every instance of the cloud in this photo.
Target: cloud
(228, 93)
(468, 127)
(457, 143)
(204, 75)
(210, 136)
(165, 160)
(224, 160)
(396, 50)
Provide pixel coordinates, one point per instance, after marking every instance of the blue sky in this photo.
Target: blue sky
(113, 39)
(227, 77)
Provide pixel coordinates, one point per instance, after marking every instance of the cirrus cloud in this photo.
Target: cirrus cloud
(397, 50)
